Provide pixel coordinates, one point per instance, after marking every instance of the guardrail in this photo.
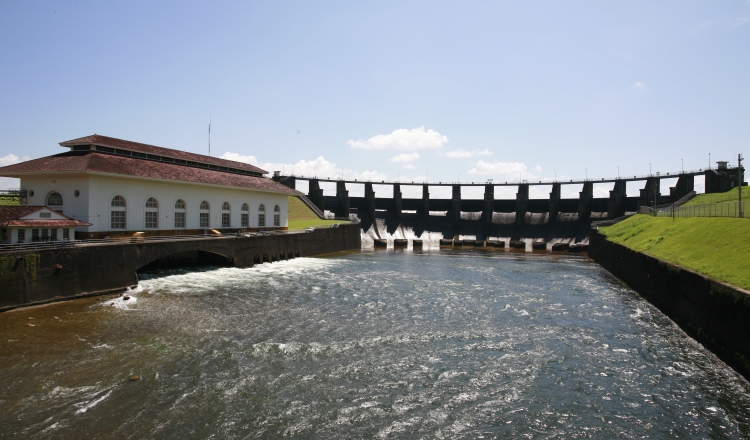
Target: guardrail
(548, 181)
(123, 240)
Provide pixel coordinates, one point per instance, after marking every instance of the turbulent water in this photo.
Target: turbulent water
(380, 344)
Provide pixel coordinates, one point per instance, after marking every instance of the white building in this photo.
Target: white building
(33, 224)
(123, 187)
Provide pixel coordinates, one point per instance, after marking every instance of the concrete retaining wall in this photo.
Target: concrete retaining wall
(715, 314)
(32, 277)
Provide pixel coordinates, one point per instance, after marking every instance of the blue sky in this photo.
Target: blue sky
(383, 90)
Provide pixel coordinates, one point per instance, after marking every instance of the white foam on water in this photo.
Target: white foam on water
(85, 406)
(218, 279)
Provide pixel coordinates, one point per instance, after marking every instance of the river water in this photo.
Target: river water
(384, 344)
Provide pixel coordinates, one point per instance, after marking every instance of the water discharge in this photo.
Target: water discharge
(403, 344)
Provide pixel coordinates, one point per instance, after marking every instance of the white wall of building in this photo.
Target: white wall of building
(96, 192)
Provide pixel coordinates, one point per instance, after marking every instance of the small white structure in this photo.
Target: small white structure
(32, 224)
(121, 187)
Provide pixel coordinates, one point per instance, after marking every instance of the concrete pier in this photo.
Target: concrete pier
(651, 193)
(455, 212)
(617, 196)
(554, 202)
(522, 199)
(342, 196)
(315, 194)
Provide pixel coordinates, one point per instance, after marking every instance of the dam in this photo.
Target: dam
(549, 220)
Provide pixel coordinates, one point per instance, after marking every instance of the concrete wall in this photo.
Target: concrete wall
(715, 314)
(95, 193)
(31, 277)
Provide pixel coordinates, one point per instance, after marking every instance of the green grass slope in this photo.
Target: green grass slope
(716, 247)
(301, 217)
(729, 196)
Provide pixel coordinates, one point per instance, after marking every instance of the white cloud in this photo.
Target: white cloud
(11, 159)
(402, 139)
(638, 85)
(319, 167)
(252, 160)
(405, 157)
(507, 171)
(463, 153)
(409, 166)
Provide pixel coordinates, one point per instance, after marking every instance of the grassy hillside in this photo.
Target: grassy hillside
(716, 247)
(729, 196)
(301, 217)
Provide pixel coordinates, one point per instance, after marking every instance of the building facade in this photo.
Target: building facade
(121, 188)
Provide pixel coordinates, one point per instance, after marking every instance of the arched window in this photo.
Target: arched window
(276, 216)
(55, 201)
(226, 215)
(245, 216)
(117, 213)
(204, 214)
(152, 213)
(179, 213)
(261, 216)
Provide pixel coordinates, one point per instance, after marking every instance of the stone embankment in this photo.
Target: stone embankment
(30, 277)
(714, 313)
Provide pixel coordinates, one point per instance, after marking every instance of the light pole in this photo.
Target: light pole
(739, 181)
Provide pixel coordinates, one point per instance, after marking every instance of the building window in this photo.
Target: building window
(118, 220)
(152, 219)
(204, 214)
(118, 201)
(276, 216)
(53, 234)
(66, 234)
(35, 235)
(245, 216)
(226, 215)
(179, 219)
(55, 201)
(179, 213)
(152, 213)
(21, 235)
(5, 234)
(45, 234)
(117, 214)
(261, 216)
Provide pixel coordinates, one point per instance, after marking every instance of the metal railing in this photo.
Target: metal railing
(128, 239)
(725, 209)
(547, 181)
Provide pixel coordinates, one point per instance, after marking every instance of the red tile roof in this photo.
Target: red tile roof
(90, 161)
(10, 215)
(160, 151)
